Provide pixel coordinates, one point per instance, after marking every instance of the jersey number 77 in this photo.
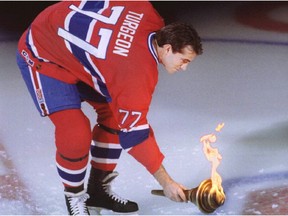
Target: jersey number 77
(104, 33)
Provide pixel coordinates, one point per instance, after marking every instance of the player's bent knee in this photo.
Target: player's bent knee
(72, 133)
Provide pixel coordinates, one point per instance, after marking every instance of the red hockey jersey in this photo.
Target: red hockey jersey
(108, 45)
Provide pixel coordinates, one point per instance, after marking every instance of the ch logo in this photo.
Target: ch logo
(26, 56)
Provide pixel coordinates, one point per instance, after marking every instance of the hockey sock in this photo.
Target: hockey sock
(73, 137)
(105, 149)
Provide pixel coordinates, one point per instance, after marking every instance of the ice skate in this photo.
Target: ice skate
(101, 195)
(76, 203)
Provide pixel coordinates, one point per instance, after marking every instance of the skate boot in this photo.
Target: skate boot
(101, 196)
(76, 202)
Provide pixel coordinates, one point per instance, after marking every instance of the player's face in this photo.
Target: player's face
(174, 62)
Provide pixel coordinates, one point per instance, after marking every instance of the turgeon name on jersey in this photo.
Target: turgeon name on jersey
(125, 35)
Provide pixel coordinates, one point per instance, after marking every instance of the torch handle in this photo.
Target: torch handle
(158, 192)
(161, 192)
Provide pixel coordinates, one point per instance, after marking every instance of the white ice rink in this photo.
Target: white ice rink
(241, 79)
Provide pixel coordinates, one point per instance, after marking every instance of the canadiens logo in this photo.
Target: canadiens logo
(26, 56)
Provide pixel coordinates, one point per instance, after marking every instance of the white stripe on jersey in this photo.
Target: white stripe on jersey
(137, 128)
(33, 47)
(95, 82)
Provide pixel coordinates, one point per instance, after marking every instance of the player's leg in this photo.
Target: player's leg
(105, 152)
(73, 138)
(105, 148)
(61, 102)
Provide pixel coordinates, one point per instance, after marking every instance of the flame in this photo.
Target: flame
(219, 127)
(213, 155)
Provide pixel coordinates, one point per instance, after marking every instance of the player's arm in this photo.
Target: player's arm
(149, 155)
(137, 137)
(140, 142)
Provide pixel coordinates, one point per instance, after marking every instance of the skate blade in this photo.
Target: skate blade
(128, 213)
(103, 211)
(94, 210)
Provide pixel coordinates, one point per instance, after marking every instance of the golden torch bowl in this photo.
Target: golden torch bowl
(206, 197)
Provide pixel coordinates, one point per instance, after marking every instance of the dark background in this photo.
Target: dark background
(17, 15)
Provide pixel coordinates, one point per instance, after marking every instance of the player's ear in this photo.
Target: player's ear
(167, 48)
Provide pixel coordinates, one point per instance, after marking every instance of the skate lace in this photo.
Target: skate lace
(114, 196)
(77, 204)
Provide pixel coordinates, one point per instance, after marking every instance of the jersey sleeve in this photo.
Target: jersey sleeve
(131, 97)
(148, 153)
(136, 135)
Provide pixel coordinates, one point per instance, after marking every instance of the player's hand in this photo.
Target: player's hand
(171, 189)
(174, 191)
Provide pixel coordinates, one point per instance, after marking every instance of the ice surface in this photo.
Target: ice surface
(243, 85)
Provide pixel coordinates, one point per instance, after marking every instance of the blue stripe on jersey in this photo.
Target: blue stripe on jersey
(79, 26)
(133, 138)
(93, 6)
(105, 152)
(71, 177)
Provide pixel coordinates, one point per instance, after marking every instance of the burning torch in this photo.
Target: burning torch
(209, 195)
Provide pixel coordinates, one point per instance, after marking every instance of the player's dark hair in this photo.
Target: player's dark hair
(179, 35)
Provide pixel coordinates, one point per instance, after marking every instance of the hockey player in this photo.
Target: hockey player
(105, 53)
